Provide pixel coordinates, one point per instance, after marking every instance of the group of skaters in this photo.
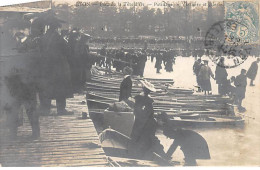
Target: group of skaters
(166, 57)
(136, 59)
(234, 87)
(120, 58)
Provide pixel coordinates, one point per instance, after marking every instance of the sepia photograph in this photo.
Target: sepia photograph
(129, 83)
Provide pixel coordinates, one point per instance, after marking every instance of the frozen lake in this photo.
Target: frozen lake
(228, 147)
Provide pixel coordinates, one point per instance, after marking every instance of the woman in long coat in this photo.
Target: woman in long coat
(205, 74)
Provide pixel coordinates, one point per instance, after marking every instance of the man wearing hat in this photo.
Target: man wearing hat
(158, 63)
(196, 69)
(252, 71)
(80, 62)
(144, 128)
(126, 84)
(56, 77)
(241, 83)
(22, 82)
(141, 63)
(221, 77)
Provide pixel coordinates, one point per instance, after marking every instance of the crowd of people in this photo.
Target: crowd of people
(59, 64)
(136, 59)
(234, 87)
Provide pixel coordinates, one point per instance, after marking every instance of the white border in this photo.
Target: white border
(14, 2)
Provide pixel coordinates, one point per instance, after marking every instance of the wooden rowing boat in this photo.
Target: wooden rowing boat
(135, 79)
(117, 144)
(121, 121)
(206, 121)
(192, 144)
(98, 104)
(177, 107)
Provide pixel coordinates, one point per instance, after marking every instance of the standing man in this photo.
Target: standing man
(126, 84)
(22, 82)
(103, 52)
(252, 71)
(81, 60)
(142, 61)
(158, 63)
(221, 77)
(196, 69)
(73, 43)
(240, 83)
(56, 81)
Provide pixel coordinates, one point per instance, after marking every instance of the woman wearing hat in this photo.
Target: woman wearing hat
(205, 74)
(126, 84)
(144, 128)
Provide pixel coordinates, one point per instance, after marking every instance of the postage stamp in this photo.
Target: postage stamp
(245, 13)
(234, 38)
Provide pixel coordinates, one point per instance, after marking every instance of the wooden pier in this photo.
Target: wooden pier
(65, 141)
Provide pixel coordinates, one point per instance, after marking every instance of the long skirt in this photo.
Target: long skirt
(206, 85)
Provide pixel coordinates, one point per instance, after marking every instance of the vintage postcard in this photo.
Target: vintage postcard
(129, 83)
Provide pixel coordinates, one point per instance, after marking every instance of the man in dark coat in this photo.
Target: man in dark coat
(196, 69)
(252, 71)
(158, 63)
(126, 84)
(80, 61)
(117, 64)
(141, 63)
(221, 77)
(22, 81)
(103, 52)
(56, 76)
(240, 83)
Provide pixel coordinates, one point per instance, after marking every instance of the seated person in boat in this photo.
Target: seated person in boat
(126, 84)
(143, 136)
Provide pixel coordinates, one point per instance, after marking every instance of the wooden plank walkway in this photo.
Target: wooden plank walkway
(65, 141)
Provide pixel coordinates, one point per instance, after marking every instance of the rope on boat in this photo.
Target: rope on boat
(112, 162)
